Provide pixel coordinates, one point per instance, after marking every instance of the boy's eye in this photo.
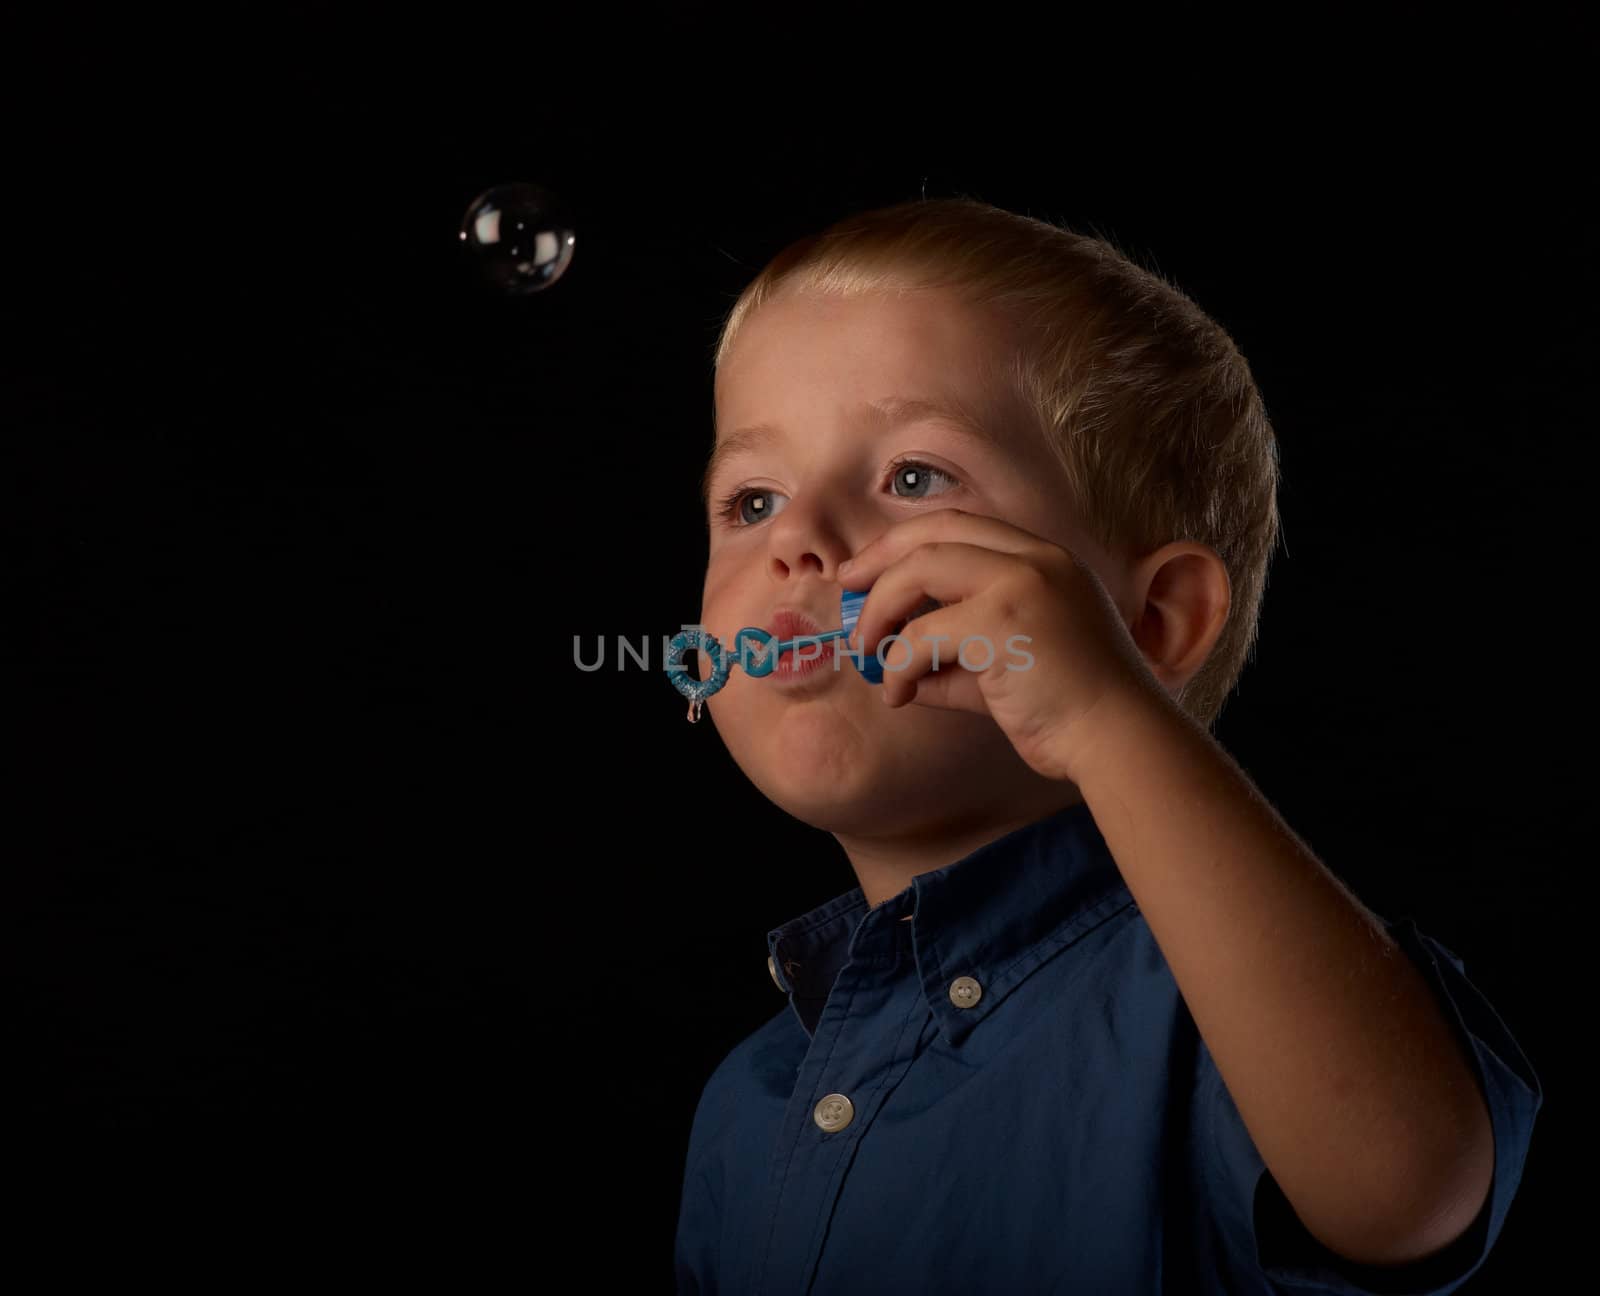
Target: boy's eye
(752, 506)
(909, 479)
(914, 480)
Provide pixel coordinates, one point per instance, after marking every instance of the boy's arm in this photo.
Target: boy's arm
(1349, 1079)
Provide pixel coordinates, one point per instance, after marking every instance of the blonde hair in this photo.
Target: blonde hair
(1145, 400)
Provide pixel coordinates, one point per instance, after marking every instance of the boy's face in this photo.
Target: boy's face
(823, 482)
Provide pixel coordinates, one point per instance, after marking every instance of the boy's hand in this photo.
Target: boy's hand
(996, 581)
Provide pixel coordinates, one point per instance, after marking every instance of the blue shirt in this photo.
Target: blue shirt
(1008, 1094)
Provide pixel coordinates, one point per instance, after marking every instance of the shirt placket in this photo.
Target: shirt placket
(865, 1039)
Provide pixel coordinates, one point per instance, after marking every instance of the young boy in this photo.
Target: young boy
(1094, 1019)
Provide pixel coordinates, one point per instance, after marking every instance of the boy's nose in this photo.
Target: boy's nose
(810, 538)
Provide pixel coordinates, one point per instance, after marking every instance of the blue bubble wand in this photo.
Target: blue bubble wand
(757, 651)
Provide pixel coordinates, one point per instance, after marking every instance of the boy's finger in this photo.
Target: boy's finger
(945, 571)
(936, 524)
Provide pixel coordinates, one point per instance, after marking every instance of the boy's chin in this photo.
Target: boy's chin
(845, 768)
(863, 806)
(875, 790)
(810, 775)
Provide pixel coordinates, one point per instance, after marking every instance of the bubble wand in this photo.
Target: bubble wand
(759, 651)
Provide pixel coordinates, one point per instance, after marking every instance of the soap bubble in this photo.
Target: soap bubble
(519, 237)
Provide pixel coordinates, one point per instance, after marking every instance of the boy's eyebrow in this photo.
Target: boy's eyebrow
(878, 415)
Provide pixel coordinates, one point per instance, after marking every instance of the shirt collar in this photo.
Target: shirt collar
(991, 918)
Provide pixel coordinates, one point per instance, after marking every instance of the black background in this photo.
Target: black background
(352, 926)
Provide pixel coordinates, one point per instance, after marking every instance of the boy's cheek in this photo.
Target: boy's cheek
(715, 589)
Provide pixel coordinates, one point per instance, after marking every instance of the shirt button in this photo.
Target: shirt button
(964, 992)
(772, 971)
(833, 1113)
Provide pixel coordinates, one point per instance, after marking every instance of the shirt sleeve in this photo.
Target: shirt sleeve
(1258, 1226)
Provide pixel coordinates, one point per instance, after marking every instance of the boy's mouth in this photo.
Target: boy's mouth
(795, 623)
(791, 623)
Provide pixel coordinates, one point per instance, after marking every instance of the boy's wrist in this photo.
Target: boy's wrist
(1117, 717)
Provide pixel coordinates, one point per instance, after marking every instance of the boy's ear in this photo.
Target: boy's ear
(1183, 595)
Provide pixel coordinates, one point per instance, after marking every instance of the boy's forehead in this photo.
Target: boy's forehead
(859, 352)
